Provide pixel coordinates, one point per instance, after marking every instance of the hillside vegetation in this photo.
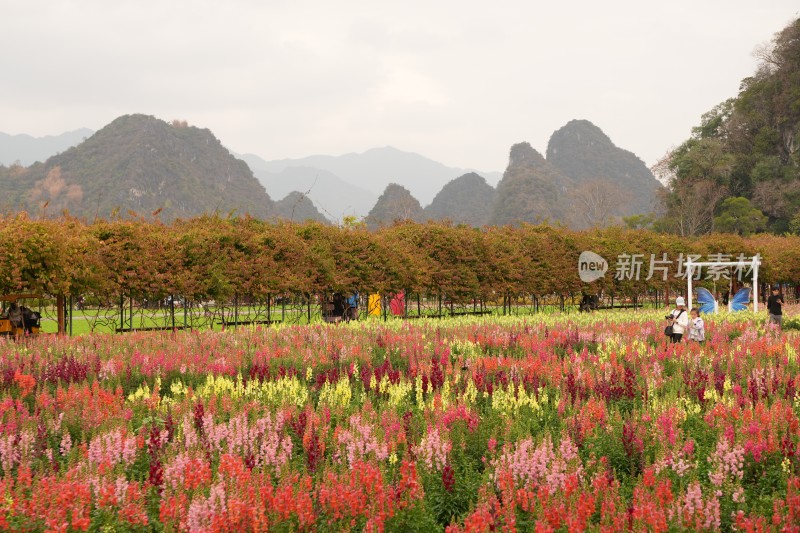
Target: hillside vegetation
(747, 147)
(467, 199)
(142, 164)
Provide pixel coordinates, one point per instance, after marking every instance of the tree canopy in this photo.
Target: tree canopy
(216, 258)
(745, 147)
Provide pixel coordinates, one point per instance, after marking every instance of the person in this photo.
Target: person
(30, 319)
(15, 315)
(697, 328)
(775, 306)
(678, 319)
(352, 307)
(338, 307)
(589, 303)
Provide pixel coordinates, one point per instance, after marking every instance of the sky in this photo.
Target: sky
(456, 81)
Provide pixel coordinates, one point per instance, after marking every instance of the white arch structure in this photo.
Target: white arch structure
(754, 263)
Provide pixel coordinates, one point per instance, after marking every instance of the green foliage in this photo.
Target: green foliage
(640, 221)
(745, 147)
(452, 505)
(794, 225)
(415, 519)
(737, 215)
(712, 122)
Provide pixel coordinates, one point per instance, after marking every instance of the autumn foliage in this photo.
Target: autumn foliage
(212, 257)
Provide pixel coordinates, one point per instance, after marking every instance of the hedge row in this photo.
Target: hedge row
(211, 257)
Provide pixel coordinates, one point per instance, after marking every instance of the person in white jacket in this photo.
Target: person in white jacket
(697, 328)
(679, 319)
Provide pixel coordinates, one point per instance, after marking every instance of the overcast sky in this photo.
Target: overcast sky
(456, 81)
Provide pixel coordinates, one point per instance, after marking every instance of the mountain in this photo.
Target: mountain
(26, 150)
(583, 152)
(585, 181)
(297, 207)
(375, 169)
(467, 199)
(396, 203)
(532, 190)
(330, 194)
(142, 164)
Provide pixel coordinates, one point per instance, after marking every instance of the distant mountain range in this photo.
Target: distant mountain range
(143, 164)
(332, 196)
(356, 179)
(26, 150)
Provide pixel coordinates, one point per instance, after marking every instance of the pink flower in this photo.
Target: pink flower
(360, 440)
(433, 449)
(491, 444)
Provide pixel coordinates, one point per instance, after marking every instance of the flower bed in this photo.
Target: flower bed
(556, 423)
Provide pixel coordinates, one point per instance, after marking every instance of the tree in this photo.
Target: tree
(640, 221)
(794, 225)
(696, 174)
(737, 215)
(56, 193)
(749, 144)
(597, 201)
(690, 208)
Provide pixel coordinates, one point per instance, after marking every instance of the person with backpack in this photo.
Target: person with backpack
(678, 321)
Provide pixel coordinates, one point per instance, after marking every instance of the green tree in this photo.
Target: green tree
(640, 221)
(737, 215)
(747, 147)
(794, 225)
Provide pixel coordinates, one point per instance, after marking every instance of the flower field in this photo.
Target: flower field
(562, 423)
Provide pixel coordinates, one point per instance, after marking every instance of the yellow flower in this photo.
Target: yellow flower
(384, 384)
(398, 392)
(141, 393)
(791, 353)
(287, 390)
(711, 395)
(511, 399)
(338, 395)
(470, 394)
(177, 388)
